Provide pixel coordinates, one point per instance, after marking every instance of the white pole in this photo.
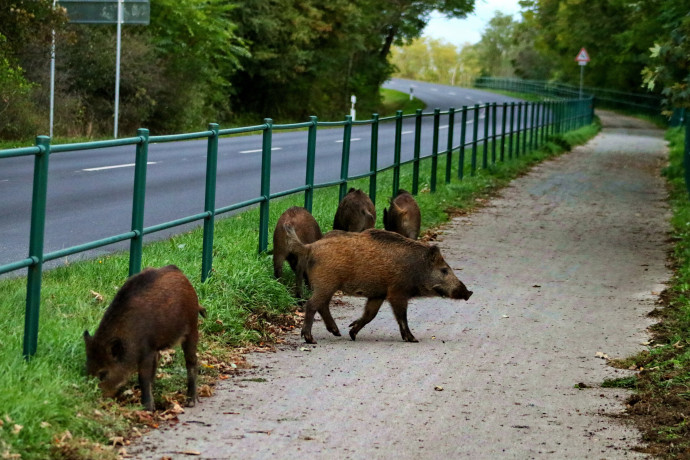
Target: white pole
(117, 65)
(52, 78)
(582, 71)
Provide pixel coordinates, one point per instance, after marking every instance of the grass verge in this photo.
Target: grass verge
(661, 401)
(49, 409)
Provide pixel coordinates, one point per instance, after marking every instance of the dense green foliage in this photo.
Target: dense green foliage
(633, 45)
(201, 61)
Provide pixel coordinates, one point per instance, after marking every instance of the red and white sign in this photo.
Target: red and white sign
(582, 57)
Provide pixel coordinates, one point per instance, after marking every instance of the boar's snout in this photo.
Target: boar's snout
(461, 292)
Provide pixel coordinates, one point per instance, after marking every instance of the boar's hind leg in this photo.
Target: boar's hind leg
(147, 372)
(318, 302)
(370, 311)
(190, 359)
(400, 311)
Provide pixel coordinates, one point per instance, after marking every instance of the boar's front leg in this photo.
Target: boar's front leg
(147, 372)
(399, 305)
(370, 311)
(190, 359)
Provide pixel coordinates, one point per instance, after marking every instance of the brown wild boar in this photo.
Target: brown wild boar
(376, 264)
(355, 213)
(307, 230)
(404, 216)
(153, 310)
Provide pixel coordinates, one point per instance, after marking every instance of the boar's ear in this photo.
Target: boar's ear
(117, 349)
(385, 216)
(434, 252)
(87, 337)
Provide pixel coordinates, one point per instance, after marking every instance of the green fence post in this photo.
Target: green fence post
(475, 133)
(396, 151)
(36, 240)
(345, 157)
(503, 131)
(417, 144)
(463, 136)
(434, 150)
(311, 160)
(265, 184)
(373, 159)
(485, 148)
(493, 131)
(536, 125)
(519, 128)
(525, 124)
(512, 125)
(136, 244)
(210, 202)
(449, 155)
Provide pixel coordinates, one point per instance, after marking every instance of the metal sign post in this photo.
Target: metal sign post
(582, 59)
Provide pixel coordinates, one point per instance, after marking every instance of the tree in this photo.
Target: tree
(669, 69)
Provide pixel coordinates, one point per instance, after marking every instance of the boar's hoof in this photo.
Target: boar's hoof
(411, 339)
(353, 334)
(335, 331)
(308, 338)
(191, 402)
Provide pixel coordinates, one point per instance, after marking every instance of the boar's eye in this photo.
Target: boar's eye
(444, 271)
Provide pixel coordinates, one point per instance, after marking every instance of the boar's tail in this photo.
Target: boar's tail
(202, 311)
(294, 245)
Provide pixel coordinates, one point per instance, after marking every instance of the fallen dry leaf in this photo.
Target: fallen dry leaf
(16, 429)
(602, 355)
(98, 297)
(45, 425)
(438, 388)
(117, 441)
(205, 391)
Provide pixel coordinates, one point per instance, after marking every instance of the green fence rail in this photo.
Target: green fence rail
(522, 126)
(636, 103)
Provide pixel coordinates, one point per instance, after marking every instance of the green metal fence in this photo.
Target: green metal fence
(636, 103)
(510, 130)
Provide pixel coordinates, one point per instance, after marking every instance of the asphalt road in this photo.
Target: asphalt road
(90, 192)
(564, 264)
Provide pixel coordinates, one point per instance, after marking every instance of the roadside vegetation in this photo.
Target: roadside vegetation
(48, 408)
(661, 401)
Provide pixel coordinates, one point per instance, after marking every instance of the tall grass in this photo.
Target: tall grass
(49, 408)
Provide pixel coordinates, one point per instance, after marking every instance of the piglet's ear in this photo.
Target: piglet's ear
(117, 349)
(87, 337)
(434, 251)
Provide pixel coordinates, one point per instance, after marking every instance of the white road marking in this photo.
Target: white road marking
(128, 165)
(407, 132)
(452, 93)
(354, 139)
(443, 127)
(259, 150)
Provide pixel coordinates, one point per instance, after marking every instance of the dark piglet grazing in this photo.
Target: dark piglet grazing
(404, 216)
(154, 310)
(376, 264)
(307, 230)
(355, 213)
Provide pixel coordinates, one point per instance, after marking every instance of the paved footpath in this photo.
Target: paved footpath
(564, 264)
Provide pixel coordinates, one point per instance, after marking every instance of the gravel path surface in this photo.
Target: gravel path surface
(564, 264)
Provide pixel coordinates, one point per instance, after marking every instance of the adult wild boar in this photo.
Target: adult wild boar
(404, 216)
(307, 230)
(376, 264)
(355, 213)
(153, 310)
